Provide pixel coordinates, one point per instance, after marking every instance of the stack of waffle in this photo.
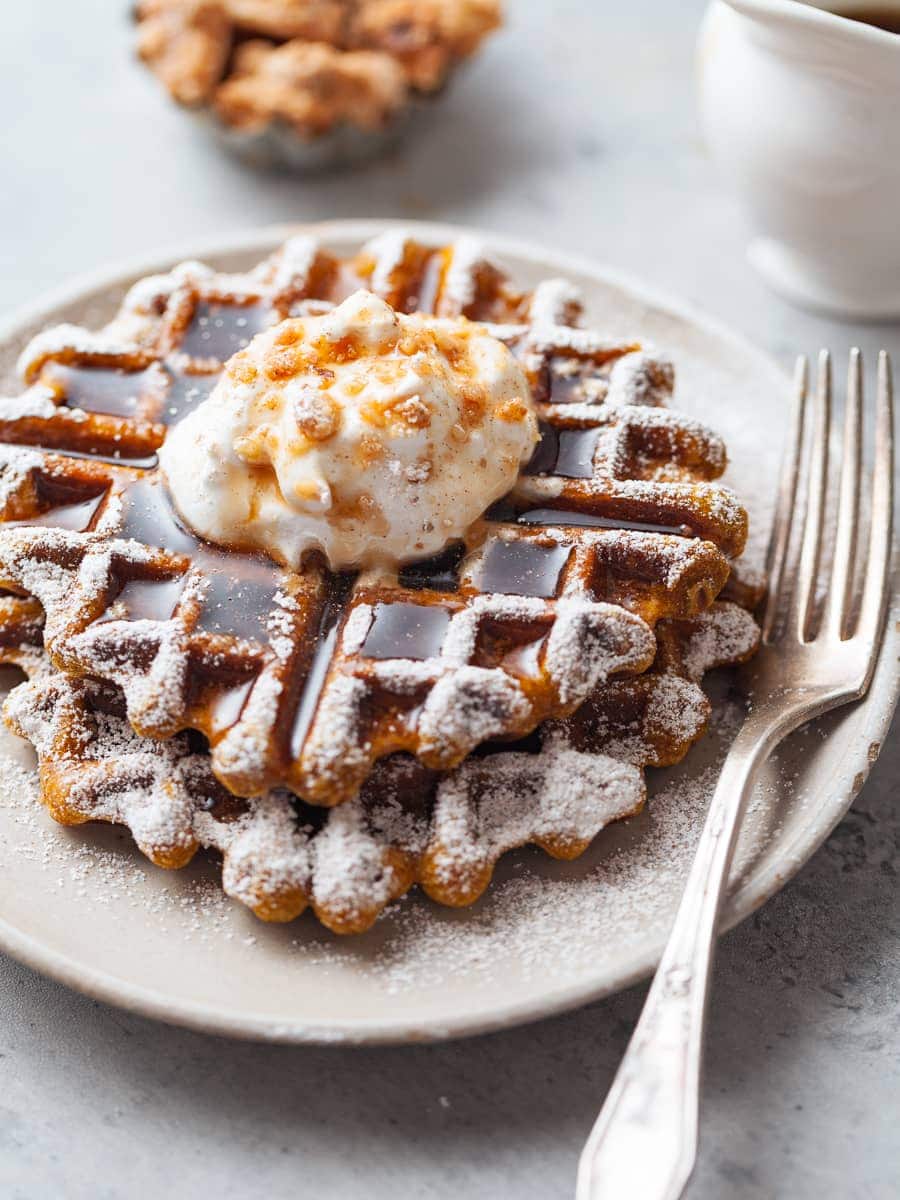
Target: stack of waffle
(338, 738)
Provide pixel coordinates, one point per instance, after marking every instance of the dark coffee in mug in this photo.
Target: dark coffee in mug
(882, 16)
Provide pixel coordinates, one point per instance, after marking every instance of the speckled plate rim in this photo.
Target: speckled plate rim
(874, 713)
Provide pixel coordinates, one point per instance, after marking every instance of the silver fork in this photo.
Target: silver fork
(644, 1143)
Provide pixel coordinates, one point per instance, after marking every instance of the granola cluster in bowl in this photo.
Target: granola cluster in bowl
(308, 84)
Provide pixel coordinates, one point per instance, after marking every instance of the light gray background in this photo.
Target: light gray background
(575, 127)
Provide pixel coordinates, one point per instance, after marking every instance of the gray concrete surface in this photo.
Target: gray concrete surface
(577, 127)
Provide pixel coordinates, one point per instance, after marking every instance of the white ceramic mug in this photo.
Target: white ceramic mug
(801, 108)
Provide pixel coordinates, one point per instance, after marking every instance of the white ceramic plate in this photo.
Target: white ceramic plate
(84, 907)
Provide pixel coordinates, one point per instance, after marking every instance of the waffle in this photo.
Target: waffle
(305, 679)
(409, 825)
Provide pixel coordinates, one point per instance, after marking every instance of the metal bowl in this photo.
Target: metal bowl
(279, 147)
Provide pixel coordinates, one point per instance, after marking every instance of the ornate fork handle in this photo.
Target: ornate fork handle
(644, 1141)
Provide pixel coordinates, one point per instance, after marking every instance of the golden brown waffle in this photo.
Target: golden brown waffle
(409, 825)
(306, 679)
(21, 635)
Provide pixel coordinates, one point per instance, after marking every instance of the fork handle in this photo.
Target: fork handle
(644, 1142)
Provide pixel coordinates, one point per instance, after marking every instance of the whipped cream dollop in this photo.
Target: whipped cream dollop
(372, 436)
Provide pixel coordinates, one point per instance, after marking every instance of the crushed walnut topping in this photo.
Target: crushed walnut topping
(345, 437)
(310, 64)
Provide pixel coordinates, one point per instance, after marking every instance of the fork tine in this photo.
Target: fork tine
(787, 496)
(837, 603)
(804, 594)
(875, 592)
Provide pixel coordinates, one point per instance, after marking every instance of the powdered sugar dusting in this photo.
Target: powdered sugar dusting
(555, 302)
(71, 338)
(37, 401)
(144, 296)
(295, 261)
(541, 916)
(350, 861)
(387, 250)
(726, 635)
(16, 464)
(459, 282)
(467, 706)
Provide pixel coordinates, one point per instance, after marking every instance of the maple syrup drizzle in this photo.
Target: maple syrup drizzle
(138, 394)
(566, 380)
(112, 391)
(568, 453)
(546, 452)
(229, 704)
(403, 630)
(326, 636)
(440, 573)
(77, 517)
(166, 391)
(562, 516)
(145, 599)
(241, 588)
(185, 392)
(150, 519)
(144, 462)
(575, 454)
(523, 568)
(241, 595)
(218, 330)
